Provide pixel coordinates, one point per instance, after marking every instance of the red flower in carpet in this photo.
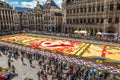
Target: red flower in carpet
(104, 52)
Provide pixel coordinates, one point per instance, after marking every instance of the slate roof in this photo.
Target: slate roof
(22, 9)
(57, 14)
(50, 3)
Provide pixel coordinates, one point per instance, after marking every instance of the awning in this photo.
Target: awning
(114, 34)
(80, 32)
(99, 33)
(83, 32)
(77, 32)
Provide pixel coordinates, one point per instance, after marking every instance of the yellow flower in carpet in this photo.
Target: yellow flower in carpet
(65, 54)
(118, 65)
(0, 73)
(53, 51)
(99, 61)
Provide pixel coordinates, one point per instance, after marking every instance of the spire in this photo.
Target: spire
(37, 2)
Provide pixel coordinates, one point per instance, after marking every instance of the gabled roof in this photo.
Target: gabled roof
(50, 3)
(22, 9)
(5, 5)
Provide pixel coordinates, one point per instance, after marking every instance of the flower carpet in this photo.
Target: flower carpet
(67, 48)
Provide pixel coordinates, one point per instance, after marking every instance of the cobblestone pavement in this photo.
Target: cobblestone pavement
(23, 71)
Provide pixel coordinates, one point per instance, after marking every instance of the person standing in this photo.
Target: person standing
(14, 55)
(40, 63)
(30, 61)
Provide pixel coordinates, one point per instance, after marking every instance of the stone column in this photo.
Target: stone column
(1, 15)
(8, 15)
(4, 15)
(119, 30)
(10, 18)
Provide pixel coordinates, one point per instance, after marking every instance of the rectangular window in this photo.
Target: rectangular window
(85, 10)
(89, 9)
(93, 9)
(102, 8)
(88, 20)
(116, 20)
(81, 21)
(70, 21)
(73, 10)
(73, 21)
(77, 10)
(84, 20)
(92, 20)
(118, 6)
(97, 20)
(77, 21)
(67, 11)
(102, 20)
(110, 20)
(67, 21)
(111, 7)
(81, 10)
(98, 8)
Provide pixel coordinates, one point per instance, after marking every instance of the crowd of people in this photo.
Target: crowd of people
(58, 69)
(106, 38)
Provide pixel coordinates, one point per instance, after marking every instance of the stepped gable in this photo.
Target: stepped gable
(38, 6)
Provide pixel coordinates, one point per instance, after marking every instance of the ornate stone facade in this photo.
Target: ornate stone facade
(24, 17)
(31, 20)
(52, 17)
(6, 18)
(91, 15)
(47, 17)
(38, 17)
(16, 18)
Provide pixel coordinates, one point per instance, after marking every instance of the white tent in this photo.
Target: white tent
(99, 33)
(83, 32)
(77, 32)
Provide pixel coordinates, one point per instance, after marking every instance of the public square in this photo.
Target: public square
(59, 39)
(25, 70)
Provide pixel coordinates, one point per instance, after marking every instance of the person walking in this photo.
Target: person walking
(13, 68)
(22, 59)
(9, 63)
(38, 74)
